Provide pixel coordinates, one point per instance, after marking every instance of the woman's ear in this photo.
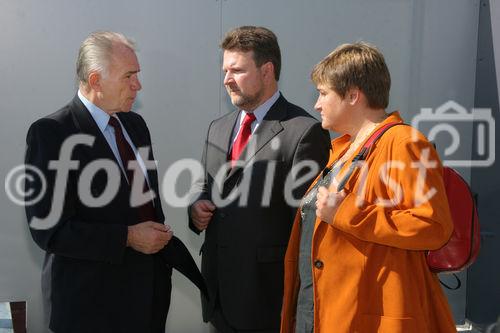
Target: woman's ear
(353, 96)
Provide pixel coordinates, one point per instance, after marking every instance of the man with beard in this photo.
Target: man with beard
(248, 214)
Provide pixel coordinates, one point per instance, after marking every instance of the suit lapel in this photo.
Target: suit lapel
(268, 129)
(221, 139)
(139, 140)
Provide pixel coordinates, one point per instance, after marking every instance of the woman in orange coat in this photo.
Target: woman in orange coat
(356, 258)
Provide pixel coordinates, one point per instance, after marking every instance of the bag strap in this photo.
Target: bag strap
(363, 153)
(447, 286)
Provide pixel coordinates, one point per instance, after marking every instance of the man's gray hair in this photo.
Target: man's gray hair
(96, 51)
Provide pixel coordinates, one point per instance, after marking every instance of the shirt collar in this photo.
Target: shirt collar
(100, 117)
(261, 111)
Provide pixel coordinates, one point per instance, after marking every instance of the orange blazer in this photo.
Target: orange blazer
(369, 267)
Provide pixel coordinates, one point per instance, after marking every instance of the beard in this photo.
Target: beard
(245, 102)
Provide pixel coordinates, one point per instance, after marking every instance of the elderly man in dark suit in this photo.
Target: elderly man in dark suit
(100, 218)
(247, 198)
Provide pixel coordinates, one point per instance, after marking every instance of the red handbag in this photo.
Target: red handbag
(463, 247)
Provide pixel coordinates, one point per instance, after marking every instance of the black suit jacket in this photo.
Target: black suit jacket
(245, 243)
(97, 283)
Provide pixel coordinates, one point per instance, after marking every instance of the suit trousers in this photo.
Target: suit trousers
(220, 324)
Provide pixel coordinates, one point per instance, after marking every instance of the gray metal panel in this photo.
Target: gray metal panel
(445, 70)
(177, 41)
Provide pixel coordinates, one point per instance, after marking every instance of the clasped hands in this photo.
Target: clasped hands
(328, 201)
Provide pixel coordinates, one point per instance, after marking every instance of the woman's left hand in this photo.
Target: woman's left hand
(327, 203)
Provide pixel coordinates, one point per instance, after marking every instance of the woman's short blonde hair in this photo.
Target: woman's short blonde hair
(358, 65)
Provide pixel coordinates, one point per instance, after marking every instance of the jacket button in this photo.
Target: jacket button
(318, 264)
(222, 215)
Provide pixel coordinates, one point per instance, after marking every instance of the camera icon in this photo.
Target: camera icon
(451, 119)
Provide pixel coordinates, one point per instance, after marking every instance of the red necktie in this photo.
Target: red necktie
(243, 137)
(147, 211)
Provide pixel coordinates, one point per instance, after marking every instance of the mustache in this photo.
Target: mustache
(232, 88)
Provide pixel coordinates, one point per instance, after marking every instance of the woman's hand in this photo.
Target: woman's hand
(328, 201)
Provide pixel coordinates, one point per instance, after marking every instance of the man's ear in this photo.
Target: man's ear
(268, 70)
(94, 81)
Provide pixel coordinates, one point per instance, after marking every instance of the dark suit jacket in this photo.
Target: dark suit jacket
(97, 283)
(245, 244)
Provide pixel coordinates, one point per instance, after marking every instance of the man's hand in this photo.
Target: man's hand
(201, 213)
(148, 237)
(328, 201)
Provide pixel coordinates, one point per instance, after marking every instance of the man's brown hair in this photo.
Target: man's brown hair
(358, 65)
(262, 41)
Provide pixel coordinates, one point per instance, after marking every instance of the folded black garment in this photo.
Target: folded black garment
(176, 254)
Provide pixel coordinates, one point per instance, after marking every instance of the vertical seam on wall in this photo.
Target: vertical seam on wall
(478, 26)
(415, 57)
(220, 56)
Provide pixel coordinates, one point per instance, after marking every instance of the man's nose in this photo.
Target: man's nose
(228, 77)
(136, 84)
